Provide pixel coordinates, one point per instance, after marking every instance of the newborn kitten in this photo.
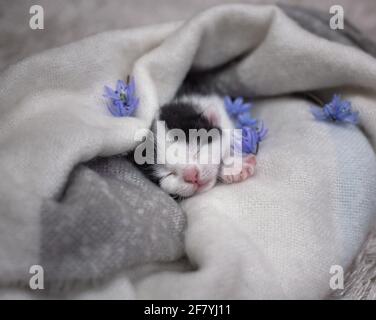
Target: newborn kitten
(193, 166)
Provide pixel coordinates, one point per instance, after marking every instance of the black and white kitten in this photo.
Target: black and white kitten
(195, 165)
(192, 165)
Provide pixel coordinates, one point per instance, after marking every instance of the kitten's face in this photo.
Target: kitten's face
(189, 168)
(185, 165)
(191, 165)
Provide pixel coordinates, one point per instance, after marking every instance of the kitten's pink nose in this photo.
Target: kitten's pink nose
(190, 175)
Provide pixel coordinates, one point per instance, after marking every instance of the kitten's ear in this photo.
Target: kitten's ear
(212, 115)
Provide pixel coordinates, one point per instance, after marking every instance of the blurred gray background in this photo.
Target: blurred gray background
(70, 20)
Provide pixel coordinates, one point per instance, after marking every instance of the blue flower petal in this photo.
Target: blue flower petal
(121, 107)
(250, 140)
(109, 93)
(238, 101)
(247, 106)
(121, 86)
(114, 109)
(227, 101)
(245, 119)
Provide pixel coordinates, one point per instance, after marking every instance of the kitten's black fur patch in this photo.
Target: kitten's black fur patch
(184, 116)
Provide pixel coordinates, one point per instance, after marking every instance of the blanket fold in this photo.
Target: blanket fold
(111, 217)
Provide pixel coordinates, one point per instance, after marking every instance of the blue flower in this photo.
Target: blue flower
(236, 107)
(251, 137)
(336, 110)
(245, 120)
(123, 101)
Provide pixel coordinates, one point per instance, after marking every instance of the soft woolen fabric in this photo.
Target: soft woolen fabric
(111, 217)
(276, 235)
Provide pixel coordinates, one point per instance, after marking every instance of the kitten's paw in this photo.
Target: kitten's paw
(236, 174)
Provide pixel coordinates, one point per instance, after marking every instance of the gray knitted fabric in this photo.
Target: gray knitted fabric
(111, 217)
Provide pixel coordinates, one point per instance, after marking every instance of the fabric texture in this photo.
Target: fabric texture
(276, 235)
(111, 217)
(360, 280)
(317, 22)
